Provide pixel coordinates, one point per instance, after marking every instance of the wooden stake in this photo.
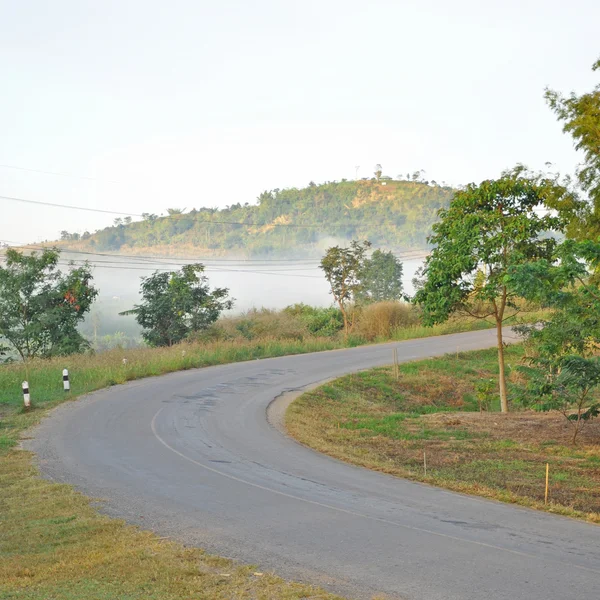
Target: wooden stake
(396, 370)
(546, 494)
(425, 462)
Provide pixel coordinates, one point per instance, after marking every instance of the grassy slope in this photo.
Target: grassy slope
(53, 543)
(372, 420)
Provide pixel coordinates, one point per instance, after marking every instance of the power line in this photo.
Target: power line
(178, 259)
(56, 205)
(280, 273)
(182, 215)
(14, 167)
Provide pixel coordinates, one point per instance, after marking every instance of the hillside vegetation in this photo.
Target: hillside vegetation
(392, 214)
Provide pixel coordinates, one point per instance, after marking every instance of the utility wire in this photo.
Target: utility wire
(179, 259)
(14, 167)
(182, 215)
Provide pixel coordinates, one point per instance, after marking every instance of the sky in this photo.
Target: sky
(144, 105)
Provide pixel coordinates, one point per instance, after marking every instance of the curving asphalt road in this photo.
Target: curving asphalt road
(191, 455)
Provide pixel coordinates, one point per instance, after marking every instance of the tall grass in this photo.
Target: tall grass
(383, 319)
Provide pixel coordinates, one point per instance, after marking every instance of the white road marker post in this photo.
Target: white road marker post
(26, 396)
(66, 382)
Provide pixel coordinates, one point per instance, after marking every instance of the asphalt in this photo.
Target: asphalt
(192, 455)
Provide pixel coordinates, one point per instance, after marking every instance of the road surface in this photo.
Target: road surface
(191, 455)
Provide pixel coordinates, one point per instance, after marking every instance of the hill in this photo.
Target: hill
(391, 214)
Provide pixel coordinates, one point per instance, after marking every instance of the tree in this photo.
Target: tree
(175, 211)
(488, 230)
(40, 307)
(178, 303)
(381, 278)
(378, 172)
(127, 220)
(343, 268)
(564, 384)
(581, 118)
(563, 367)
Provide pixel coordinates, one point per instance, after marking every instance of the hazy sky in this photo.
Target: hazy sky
(193, 103)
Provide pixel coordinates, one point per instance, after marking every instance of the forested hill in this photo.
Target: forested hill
(391, 214)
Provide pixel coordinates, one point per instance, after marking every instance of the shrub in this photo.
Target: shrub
(319, 321)
(381, 319)
(260, 323)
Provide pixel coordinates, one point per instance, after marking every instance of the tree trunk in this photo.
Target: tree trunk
(501, 374)
(345, 316)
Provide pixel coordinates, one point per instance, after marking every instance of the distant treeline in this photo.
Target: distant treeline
(389, 213)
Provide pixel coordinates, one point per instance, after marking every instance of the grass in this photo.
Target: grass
(55, 545)
(373, 420)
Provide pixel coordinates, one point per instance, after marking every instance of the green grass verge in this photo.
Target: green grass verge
(373, 420)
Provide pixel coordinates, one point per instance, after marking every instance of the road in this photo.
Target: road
(191, 455)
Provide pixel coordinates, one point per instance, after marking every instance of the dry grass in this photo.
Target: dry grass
(383, 319)
(372, 420)
(54, 545)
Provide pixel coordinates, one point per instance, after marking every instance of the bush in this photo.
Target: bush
(382, 319)
(319, 321)
(260, 323)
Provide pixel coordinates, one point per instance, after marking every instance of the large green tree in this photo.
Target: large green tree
(381, 278)
(487, 230)
(40, 307)
(178, 303)
(580, 115)
(344, 268)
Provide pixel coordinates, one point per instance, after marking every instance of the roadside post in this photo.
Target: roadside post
(66, 382)
(26, 396)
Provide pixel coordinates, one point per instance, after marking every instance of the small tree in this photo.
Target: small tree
(178, 303)
(378, 172)
(381, 278)
(343, 268)
(487, 230)
(40, 307)
(564, 384)
(563, 367)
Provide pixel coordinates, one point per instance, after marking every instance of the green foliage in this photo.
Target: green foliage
(178, 303)
(319, 321)
(488, 231)
(40, 307)
(381, 278)
(563, 283)
(344, 268)
(396, 215)
(563, 369)
(486, 394)
(581, 118)
(564, 384)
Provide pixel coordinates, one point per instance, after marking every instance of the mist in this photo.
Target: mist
(273, 287)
